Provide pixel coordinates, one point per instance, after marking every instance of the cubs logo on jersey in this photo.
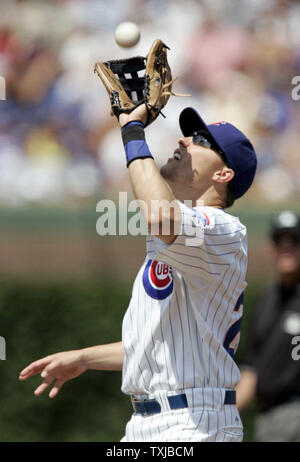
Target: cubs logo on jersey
(201, 218)
(158, 280)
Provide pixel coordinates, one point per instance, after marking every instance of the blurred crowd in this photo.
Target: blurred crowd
(57, 139)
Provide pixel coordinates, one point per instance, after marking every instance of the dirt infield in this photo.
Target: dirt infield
(62, 243)
(50, 256)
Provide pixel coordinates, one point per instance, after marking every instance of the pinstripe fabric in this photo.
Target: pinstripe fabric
(208, 421)
(175, 327)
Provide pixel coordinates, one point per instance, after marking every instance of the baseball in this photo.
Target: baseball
(127, 34)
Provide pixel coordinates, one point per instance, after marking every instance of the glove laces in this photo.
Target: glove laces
(166, 92)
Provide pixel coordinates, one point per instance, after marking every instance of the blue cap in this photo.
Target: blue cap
(231, 143)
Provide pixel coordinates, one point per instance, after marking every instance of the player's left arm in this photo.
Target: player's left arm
(157, 202)
(246, 389)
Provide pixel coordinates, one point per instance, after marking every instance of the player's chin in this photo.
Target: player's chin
(167, 171)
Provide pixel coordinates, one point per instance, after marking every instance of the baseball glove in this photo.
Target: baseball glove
(126, 87)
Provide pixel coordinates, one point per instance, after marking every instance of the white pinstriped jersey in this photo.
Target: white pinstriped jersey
(181, 328)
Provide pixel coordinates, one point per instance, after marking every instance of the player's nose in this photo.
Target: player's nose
(183, 141)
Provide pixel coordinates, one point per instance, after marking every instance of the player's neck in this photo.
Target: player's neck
(198, 198)
(289, 280)
(211, 198)
(186, 194)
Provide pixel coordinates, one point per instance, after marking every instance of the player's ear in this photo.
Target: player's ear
(223, 175)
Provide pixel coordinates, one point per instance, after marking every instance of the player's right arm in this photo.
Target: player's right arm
(67, 365)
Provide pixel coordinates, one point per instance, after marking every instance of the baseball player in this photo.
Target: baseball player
(275, 325)
(181, 329)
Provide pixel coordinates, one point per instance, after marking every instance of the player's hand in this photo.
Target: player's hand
(140, 113)
(61, 367)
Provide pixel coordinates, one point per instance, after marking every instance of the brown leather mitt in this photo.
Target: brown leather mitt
(134, 81)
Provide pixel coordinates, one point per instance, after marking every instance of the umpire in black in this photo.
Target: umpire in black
(271, 369)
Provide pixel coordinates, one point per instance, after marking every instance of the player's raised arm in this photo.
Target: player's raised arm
(137, 102)
(156, 200)
(68, 365)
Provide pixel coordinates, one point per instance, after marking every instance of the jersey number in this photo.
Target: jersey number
(232, 337)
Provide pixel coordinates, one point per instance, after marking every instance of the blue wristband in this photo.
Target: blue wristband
(133, 136)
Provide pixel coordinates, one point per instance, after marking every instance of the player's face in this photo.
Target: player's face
(286, 251)
(192, 164)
